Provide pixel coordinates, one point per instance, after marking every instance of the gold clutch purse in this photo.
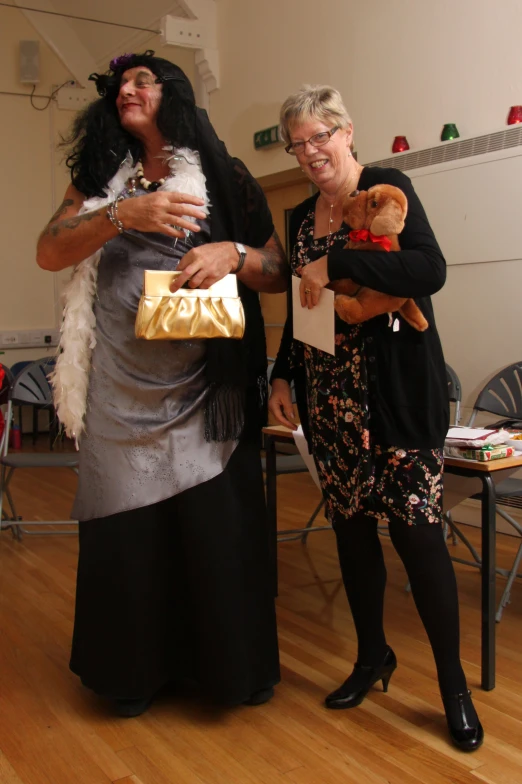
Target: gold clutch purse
(216, 312)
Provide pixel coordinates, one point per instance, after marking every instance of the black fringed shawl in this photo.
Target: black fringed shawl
(236, 369)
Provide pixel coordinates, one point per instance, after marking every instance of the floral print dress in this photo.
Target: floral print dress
(359, 476)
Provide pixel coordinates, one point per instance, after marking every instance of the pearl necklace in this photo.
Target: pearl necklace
(146, 184)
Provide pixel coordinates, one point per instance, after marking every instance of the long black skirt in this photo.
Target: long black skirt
(180, 591)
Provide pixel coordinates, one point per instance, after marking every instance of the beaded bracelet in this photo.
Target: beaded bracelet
(112, 214)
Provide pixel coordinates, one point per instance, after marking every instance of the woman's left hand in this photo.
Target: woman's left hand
(314, 278)
(206, 264)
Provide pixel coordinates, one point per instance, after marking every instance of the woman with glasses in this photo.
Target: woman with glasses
(376, 413)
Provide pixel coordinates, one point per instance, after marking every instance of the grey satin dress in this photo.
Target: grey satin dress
(144, 439)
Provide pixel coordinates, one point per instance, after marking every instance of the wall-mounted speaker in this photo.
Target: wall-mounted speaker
(29, 62)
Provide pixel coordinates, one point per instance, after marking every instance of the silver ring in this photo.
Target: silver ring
(308, 291)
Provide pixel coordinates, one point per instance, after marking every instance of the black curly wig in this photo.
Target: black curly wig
(98, 143)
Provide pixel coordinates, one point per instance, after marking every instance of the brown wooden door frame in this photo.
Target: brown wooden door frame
(283, 190)
(270, 182)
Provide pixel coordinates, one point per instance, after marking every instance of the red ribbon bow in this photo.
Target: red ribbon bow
(363, 235)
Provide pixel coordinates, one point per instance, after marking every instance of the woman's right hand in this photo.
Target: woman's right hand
(160, 212)
(280, 404)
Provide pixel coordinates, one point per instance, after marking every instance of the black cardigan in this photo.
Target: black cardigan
(408, 392)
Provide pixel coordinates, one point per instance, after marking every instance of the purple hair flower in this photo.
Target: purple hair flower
(121, 62)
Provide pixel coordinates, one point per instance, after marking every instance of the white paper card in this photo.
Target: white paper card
(316, 327)
(302, 444)
(469, 433)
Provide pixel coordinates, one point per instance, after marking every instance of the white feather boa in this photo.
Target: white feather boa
(70, 379)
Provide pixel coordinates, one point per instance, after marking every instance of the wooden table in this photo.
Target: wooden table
(462, 479)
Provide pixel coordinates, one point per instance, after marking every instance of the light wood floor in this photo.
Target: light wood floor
(53, 731)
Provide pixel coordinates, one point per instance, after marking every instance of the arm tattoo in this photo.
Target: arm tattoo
(270, 263)
(61, 209)
(273, 260)
(59, 212)
(54, 229)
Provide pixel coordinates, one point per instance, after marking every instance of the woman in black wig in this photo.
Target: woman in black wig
(173, 575)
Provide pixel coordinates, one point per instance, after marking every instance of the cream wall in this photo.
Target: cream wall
(35, 178)
(402, 66)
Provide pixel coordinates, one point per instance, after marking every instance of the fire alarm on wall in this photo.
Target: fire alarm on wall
(29, 62)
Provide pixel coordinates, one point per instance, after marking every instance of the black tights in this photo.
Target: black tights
(423, 551)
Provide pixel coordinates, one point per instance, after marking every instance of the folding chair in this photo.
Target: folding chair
(502, 395)
(291, 462)
(29, 387)
(53, 422)
(454, 392)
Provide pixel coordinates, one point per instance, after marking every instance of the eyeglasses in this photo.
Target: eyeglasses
(317, 140)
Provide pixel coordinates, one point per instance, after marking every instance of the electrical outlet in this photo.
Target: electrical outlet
(10, 339)
(29, 338)
(73, 98)
(191, 33)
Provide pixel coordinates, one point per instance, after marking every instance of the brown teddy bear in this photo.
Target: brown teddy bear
(376, 217)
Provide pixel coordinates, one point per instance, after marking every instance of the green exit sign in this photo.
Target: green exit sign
(267, 137)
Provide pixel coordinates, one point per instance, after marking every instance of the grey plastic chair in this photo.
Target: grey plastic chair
(454, 392)
(49, 408)
(29, 387)
(502, 395)
(290, 461)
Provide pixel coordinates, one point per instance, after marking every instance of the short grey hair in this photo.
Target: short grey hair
(318, 102)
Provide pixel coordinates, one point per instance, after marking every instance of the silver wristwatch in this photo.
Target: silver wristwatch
(242, 256)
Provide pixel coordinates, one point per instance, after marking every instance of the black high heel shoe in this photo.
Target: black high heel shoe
(464, 725)
(358, 684)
